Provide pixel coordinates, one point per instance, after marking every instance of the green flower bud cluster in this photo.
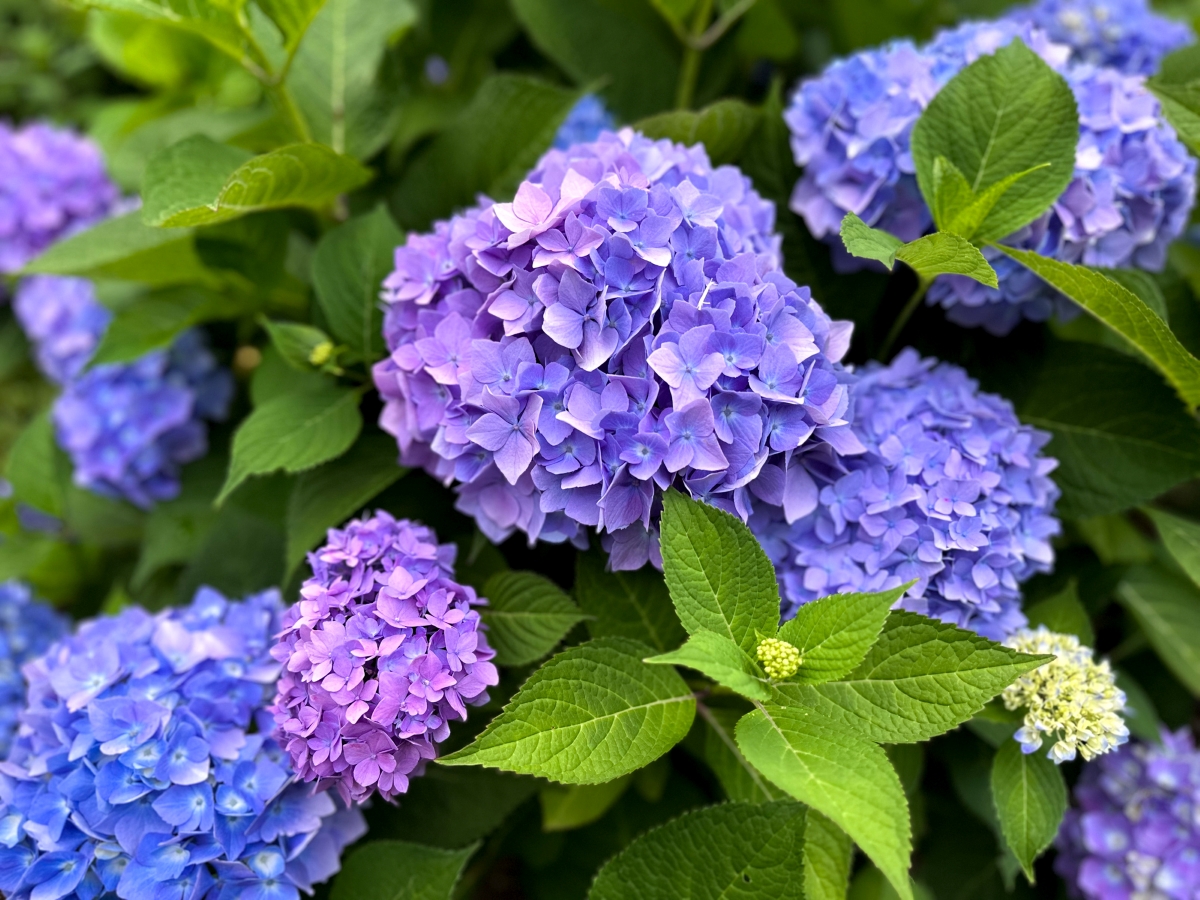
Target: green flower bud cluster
(779, 658)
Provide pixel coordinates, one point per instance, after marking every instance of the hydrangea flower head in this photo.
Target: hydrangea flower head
(587, 118)
(27, 629)
(383, 651)
(1073, 698)
(63, 320)
(953, 491)
(620, 327)
(1132, 831)
(143, 767)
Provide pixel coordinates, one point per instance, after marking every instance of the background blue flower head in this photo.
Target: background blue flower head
(27, 629)
(143, 767)
(587, 118)
(953, 491)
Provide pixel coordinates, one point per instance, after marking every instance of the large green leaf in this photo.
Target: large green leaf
(1167, 607)
(294, 432)
(291, 17)
(719, 577)
(839, 774)
(828, 853)
(1177, 86)
(527, 615)
(399, 870)
(1182, 539)
(591, 714)
(155, 320)
(348, 271)
(1063, 613)
(626, 604)
(565, 808)
(1030, 798)
(723, 128)
(33, 468)
(720, 659)
(718, 746)
(217, 21)
(920, 679)
(1002, 115)
(834, 633)
(732, 850)
(201, 182)
(941, 253)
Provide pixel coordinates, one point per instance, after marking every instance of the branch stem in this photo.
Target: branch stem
(905, 314)
(689, 69)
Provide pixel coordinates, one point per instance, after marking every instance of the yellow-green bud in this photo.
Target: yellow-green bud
(321, 353)
(779, 658)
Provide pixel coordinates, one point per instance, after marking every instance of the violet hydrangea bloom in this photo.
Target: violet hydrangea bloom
(27, 629)
(587, 118)
(1132, 830)
(383, 651)
(52, 182)
(144, 769)
(63, 321)
(953, 492)
(620, 327)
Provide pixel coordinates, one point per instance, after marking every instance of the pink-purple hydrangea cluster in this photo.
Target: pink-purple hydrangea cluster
(27, 629)
(383, 651)
(953, 491)
(144, 768)
(52, 182)
(620, 327)
(1132, 831)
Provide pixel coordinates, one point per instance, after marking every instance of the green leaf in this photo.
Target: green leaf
(1003, 115)
(719, 577)
(967, 218)
(839, 774)
(865, 242)
(398, 870)
(1140, 713)
(721, 660)
(291, 17)
(1063, 613)
(1181, 537)
(124, 248)
(1125, 313)
(1177, 86)
(675, 11)
(201, 182)
(274, 378)
(834, 633)
(723, 128)
(951, 193)
(348, 271)
(589, 715)
(217, 21)
(333, 75)
(1030, 798)
(920, 679)
(527, 615)
(293, 432)
(626, 604)
(155, 320)
(936, 254)
(296, 343)
(326, 496)
(175, 529)
(739, 780)
(1167, 608)
(731, 850)
(828, 853)
(33, 467)
(567, 808)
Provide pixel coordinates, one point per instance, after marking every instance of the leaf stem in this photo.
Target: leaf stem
(286, 105)
(689, 69)
(905, 314)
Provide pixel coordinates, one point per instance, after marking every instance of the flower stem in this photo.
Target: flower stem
(905, 314)
(689, 69)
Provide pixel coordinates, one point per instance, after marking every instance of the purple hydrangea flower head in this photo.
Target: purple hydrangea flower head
(143, 767)
(52, 182)
(63, 320)
(621, 326)
(953, 492)
(383, 651)
(27, 629)
(1132, 831)
(1132, 194)
(587, 118)
(1124, 34)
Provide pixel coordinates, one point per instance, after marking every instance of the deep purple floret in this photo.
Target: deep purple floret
(383, 651)
(27, 629)
(143, 768)
(1132, 831)
(52, 182)
(622, 326)
(587, 118)
(953, 492)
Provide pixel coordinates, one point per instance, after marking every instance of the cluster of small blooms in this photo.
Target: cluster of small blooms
(143, 766)
(952, 492)
(52, 182)
(779, 658)
(1133, 831)
(128, 427)
(1130, 197)
(1073, 698)
(620, 327)
(27, 629)
(587, 118)
(382, 652)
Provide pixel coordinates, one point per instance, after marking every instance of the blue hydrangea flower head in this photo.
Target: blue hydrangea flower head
(63, 320)
(143, 767)
(953, 491)
(52, 182)
(1124, 34)
(622, 326)
(27, 629)
(1132, 831)
(587, 118)
(384, 650)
